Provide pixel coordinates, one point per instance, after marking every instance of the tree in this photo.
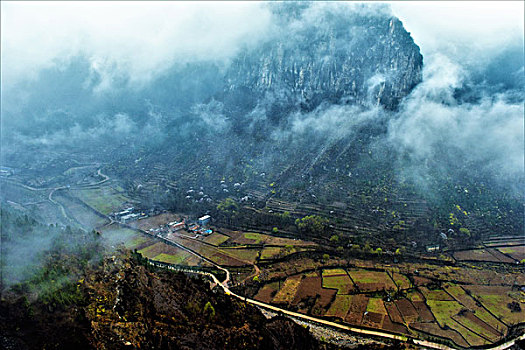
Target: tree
(326, 257)
(465, 231)
(379, 251)
(228, 205)
(334, 239)
(209, 310)
(312, 224)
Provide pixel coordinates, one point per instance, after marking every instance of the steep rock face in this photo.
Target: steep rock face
(333, 54)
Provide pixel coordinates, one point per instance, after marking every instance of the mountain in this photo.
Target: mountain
(307, 116)
(329, 55)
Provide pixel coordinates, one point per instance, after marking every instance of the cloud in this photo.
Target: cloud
(432, 124)
(334, 122)
(468, 32)
(125, 40)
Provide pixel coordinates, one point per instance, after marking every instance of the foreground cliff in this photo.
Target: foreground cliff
(124, 305)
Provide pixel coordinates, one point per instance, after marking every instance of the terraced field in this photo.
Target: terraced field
(461, 315)
(338, 279)
(370, 281)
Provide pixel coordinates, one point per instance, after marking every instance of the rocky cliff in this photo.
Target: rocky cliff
(334, 54)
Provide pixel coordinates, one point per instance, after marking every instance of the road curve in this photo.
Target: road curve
(361, 331)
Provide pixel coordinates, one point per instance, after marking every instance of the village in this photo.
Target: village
(166, 230)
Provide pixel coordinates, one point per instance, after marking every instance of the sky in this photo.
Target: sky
(144, 38)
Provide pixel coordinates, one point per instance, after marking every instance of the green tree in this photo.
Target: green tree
(465, 231)
(334, 239)
(228, 205)
(209, 310)
(313, 224)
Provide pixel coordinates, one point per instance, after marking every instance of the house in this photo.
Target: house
(129, 217)
(178, 226)
(204, 220)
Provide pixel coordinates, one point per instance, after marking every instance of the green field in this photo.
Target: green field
(401, 280)
(337, 279)
(445, 312)
(247, 255)
(104, 199)
(255, 237)
(340, 306)
(216, 238)
(173, 259)
(376, 305)
(270, 252)
(288, 290)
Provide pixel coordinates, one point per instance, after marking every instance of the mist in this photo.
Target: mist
(165, 76)
(133, 41)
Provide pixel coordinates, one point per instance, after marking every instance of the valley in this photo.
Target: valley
(447, 296)
(262, 175)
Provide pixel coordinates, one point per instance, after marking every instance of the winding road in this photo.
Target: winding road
(353, 329)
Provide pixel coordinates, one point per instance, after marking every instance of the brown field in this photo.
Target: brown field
(369, 281)
(516, 252)
(267, 292)
(421, 281)
(434, 329)
(373, 319)
(407, 310)
(507, 243)
(357, 309)
(499, 255)
(490, 254)
(393, 312)
(155, 221)
(311, 286)
(388, 325)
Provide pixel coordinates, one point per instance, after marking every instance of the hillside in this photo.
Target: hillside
(125, 305)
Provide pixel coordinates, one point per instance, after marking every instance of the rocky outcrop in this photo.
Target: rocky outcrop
(127, 306)
(335, 54)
